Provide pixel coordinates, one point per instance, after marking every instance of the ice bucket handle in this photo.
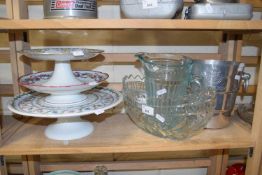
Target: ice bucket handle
(245, 78)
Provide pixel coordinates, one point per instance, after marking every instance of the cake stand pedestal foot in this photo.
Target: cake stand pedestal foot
(69, 129)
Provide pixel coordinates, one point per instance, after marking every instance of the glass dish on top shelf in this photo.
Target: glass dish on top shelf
(159, 9)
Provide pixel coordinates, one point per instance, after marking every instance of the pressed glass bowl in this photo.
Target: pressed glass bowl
(174, 119)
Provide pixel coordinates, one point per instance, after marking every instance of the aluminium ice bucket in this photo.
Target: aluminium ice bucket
(226, 78)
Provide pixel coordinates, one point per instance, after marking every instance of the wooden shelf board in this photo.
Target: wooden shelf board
(115, 133)
(228, 25)
(116, 166)
(255, 3)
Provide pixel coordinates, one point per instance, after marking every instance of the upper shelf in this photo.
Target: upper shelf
(255, 3)
(164, 24)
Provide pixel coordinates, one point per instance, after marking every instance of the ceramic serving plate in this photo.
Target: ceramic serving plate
(64, 172)
(34, 104)
(85, 80)
(61, 54)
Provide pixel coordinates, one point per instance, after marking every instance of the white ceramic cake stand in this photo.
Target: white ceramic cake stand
(69, 125)
(62, 86)
(65, 102)
(69, 129)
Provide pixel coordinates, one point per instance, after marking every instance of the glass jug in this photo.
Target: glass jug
(167, 76)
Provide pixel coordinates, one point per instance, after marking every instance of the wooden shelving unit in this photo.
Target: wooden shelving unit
(121, 136)
(164, 24)
(115, 133)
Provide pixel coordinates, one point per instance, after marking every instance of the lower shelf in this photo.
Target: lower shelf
(115, 133)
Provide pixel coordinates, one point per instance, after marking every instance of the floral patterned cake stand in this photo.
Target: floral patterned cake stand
(63, 93)
(60, 94)
(69, 125)
(63, 75)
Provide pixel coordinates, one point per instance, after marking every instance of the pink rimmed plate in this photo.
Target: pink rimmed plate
(86, 80)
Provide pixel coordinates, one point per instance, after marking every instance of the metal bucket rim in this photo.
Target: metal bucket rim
(217, 62)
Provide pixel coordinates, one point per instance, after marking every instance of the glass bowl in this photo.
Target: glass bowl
(175, 118)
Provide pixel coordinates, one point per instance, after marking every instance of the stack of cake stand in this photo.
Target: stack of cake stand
(64, 94)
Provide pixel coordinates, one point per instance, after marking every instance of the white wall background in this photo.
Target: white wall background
(117, 72)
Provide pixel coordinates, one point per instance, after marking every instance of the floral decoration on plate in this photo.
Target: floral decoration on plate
(61, 54)
(34, 104)
(86, 80)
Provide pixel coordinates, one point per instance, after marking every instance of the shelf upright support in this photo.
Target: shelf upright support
(230, 49)
(254, 159)
(9, 9)
(20, 10)
(9, 15)
(231, 46)
(18, 41)
(31, 165)
(224, 161)
(3, 168)
(216, 162)
(238, 47)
